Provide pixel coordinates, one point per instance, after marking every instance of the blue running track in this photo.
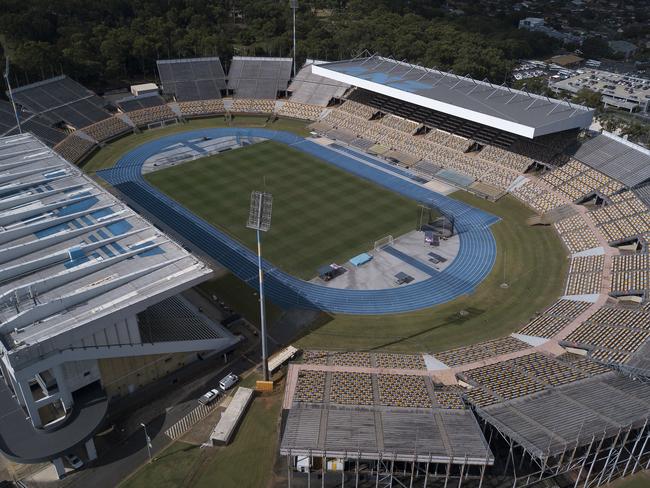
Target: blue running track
(472, 264)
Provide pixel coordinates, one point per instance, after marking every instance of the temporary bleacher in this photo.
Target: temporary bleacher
(62, 100)
(258, 78)
(192, 79)
(313, 89)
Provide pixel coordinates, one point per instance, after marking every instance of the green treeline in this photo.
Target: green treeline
(109, 42)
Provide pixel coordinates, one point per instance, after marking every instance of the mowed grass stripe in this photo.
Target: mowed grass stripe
(321, 214)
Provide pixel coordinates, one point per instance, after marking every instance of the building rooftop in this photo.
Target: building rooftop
(71, 253)
(629, 91)
(482, 102)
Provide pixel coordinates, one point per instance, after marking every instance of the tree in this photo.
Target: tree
(588, 97)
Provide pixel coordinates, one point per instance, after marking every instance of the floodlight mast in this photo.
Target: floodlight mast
(259, 218)
(11, 95)
(294, 6)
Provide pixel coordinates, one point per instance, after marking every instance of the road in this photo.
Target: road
(124, 450)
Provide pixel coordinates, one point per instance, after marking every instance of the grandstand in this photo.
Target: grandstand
(149, 100)
(372, 421)
(36, 124)
(259, 78)
(478, 102)
(192, 79)
(615, 157)
(62, 101)
(79, 271)
(311, 89)
(554, 412)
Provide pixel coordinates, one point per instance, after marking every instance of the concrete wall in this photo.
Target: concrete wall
(121, 376)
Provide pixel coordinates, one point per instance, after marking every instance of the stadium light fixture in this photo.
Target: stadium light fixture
(11, 95)
(294, 7)
(259, 219)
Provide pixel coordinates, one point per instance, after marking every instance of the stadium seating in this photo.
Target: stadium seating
(537, 197)
(612, 334)
(361, 359)
(576, 180)
(351, 389)
(576, 234)
(399, 123)
(448, 396)
(252, 106)
(192, 79)
(199, 108)
(173, 320)
(107, 129)
(585, 275)
(358, 109)
(259, 78)
(554, 319)
(398, 390)
(310, 89)
(62, 99)
(480, 351)
(399, 361)
(631, 273)
(146, 116)
(520, 376)
(310, 386)
(505, 158)
(73, 148)
(627, 216)
(300, 110)
(315, 357)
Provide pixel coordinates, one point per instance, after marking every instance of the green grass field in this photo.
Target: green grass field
(254, 448)
(321, 214)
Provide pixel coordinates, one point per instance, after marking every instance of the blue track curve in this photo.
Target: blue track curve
(472, 264)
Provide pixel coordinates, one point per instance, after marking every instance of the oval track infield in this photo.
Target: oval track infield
(474, 261)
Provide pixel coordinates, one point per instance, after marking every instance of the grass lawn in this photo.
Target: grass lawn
(321, 214)
(246, 462)
(109, 154)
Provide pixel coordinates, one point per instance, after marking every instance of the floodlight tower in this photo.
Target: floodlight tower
(259, 218)
(294, 7)
(11, 95)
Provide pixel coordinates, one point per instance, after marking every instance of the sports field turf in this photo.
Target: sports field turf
(321, 214)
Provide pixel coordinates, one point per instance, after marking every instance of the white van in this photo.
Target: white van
(229, 381)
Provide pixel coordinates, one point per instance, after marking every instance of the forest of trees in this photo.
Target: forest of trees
(105, 44)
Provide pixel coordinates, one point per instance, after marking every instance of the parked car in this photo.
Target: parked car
(209, 397)
(229, 381)
(74, 461)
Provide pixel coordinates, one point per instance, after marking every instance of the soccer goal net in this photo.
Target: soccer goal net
(383, 242)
